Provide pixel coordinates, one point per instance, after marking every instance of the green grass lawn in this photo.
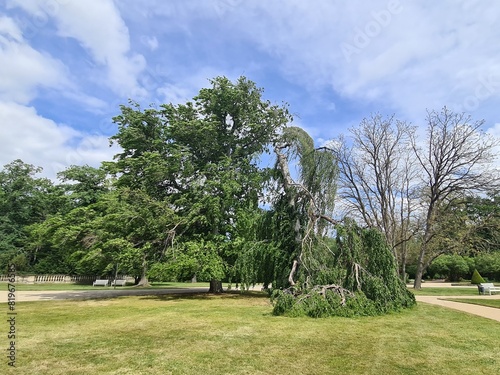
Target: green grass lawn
(453, 291)
(481, 302)
(235, 334)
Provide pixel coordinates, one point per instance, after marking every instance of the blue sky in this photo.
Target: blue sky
(66, 65)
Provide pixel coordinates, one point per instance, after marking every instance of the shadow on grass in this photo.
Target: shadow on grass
(206, 296)
(159, 294)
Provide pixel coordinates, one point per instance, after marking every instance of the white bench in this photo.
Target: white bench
(100, 282)
(488, 288)
(119, 283)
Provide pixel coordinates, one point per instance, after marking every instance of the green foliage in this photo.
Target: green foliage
(483, 223)
(197, 258)
(452, 267)
(316, 305)
(476, 278)
(83, 185)
(488, 265)
(458, 267)
(363, 281)
(25, 199)
(123, 226)
(201, 158)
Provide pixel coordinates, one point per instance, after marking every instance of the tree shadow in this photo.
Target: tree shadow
(158, 294)
(206, 296)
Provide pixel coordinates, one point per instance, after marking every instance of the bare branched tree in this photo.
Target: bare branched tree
(456, 159)
(378, 177)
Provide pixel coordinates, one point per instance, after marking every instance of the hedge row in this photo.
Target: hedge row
(456, 267)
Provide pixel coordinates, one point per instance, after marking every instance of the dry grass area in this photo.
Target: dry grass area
(235, 334)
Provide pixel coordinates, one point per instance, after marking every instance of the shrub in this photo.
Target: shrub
(476, 278)
(488, 265)
(452, 267)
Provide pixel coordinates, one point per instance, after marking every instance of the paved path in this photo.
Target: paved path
(484, 311)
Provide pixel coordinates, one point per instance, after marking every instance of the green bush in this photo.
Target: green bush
(488, 265)
(452, 267)
(476, 278)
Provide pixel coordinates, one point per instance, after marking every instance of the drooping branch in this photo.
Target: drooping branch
(314, 201)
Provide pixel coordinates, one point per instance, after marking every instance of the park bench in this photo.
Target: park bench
(119, 283)
(488, 288)
(100, 282)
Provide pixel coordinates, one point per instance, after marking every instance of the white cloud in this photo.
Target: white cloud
(150, 42)
(495, 130)
(408, 57)
(24, 69)
(9, 29)
(99, 28)
(183, 87)
(174, 94)
(40, 141)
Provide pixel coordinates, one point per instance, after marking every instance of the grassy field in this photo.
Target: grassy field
(481, 302)
(453, 291)
(235, 334)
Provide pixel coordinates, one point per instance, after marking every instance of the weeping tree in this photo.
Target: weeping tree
(356, 273)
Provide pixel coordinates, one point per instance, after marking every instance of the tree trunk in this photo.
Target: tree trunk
(417, 284)
(404, 256)
(403, 271)
(215, 287)
(143, 281)
(420, 271)
(144, 278)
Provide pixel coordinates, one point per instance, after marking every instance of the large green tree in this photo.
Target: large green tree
(123, 227)
(202, 157)
(25, 199)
